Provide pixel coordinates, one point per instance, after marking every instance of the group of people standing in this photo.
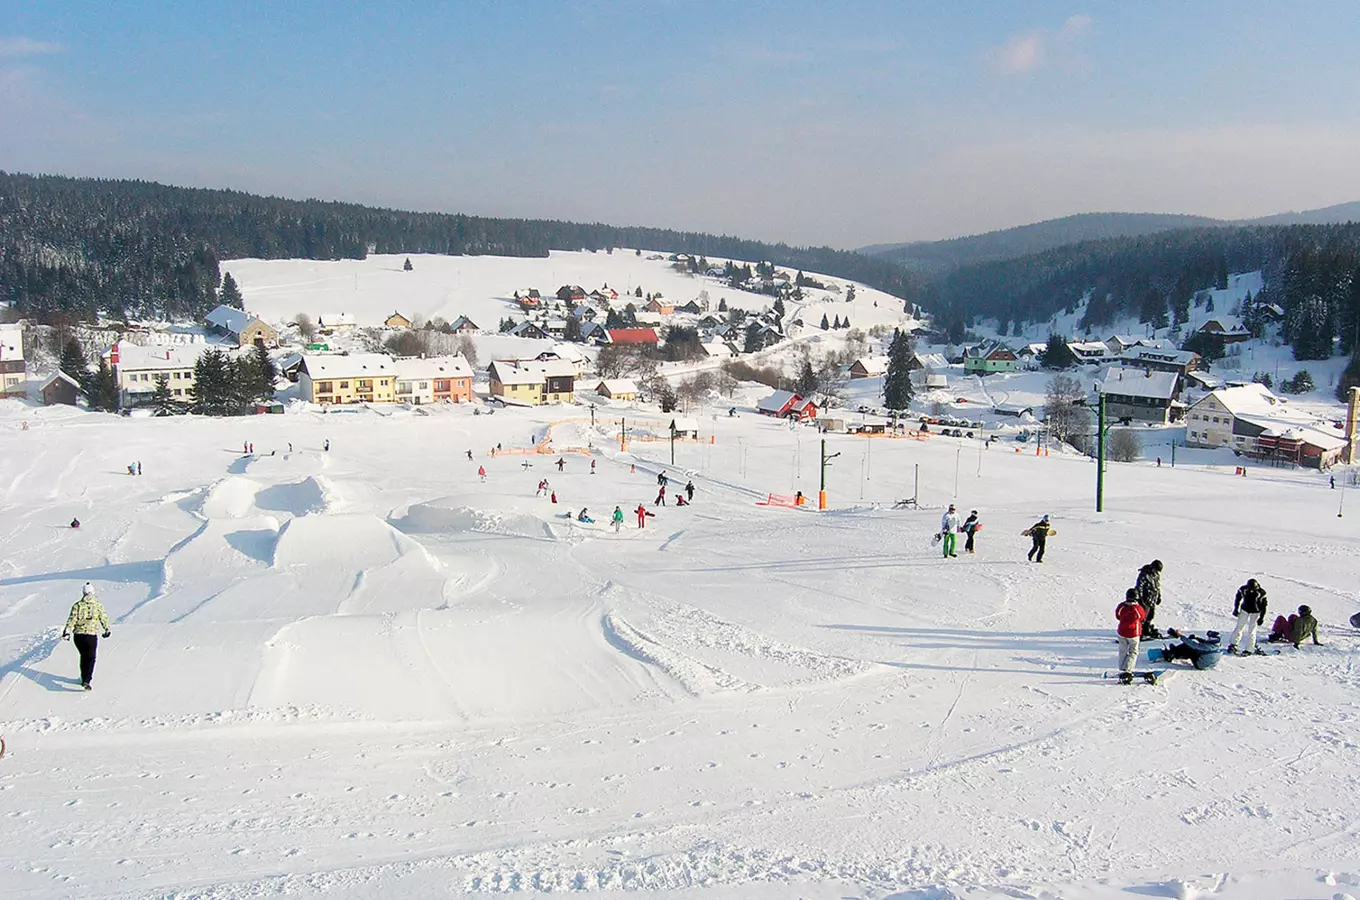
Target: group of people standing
(951, 528)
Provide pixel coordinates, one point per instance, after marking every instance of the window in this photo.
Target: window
(344, 385)
(1215, 420)
(323, 387)
(424, 385)
(179, 392)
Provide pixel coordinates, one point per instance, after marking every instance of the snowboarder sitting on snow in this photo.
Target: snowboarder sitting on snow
(1130, 614)
(1203, 653)
(1296, 628)
(86, 622)
(1149, 590)
(1038, 533)
(582, 517)
(1250, 609)
(75, 523)
(680, 500)
(971, 527)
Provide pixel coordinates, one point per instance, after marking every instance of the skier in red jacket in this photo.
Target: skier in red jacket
(642, 515)
(1130, 614)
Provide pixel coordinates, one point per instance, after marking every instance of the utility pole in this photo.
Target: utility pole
(672, 442)
(1100, 454)
(623, 435)
(826, 461)
(592, 415)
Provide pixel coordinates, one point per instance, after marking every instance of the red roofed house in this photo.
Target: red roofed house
(631, 336)
(787, 405)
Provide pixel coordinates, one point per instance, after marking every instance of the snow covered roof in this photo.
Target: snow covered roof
(1308, 433)
(463, 322)
(133, 357)
(1153, 354)
(432, 367)
(11, 342)
(336, 320)
(931, 360)
(873, 365)
(229, 319)
(1087, 349)
(568, 351)
(616, 386)
(1139, 383)
(1224, 325)
(531, 371)
(776, 401)
(684, 424)
(353, 365)
(1249, 400)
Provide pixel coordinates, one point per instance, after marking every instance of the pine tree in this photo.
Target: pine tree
(722, 304)
(214, 391)
(752, 343)
(102, 388)
(805, 385)
(779, 308)
(406, 266)
(850, 294)
(826, 323)
(74, 364)
(1057, 355)
(897, 391)
(266, 373)
(230, 294)
(162, 401)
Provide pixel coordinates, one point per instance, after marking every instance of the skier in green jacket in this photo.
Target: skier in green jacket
(87, 622)
(617, 519)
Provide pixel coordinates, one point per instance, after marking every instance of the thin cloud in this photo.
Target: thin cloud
(14, 47)
(1030, 51)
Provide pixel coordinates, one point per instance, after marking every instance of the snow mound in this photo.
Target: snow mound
(694, 676)
(231, 498)
(339, 543)
(313, 494)
(448, 516)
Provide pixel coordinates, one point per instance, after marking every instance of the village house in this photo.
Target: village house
(641, 336)
(328, 322)
(1230, 328)
(1140, 395)
(787, 405)
(1089, 352)
(869, 367)
(687, 428)
(693, 308)
(1118, 343)
(532, 382)
(618, 389)
(720, 350)
(352, 378)
(464, 325)
(528, 330)
(241, 327)
(660, 307)
(579, 359)
(571, 293)
(1182, 362)
(59, 388)
(13, 369)
(584, 313)
(433, 379)
(988, 358)
(397, 320)
(1217, 419)
(137, 368)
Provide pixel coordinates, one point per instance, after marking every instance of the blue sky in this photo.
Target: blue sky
(812, 122)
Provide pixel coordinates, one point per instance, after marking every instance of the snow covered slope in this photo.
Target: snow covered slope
(367, 673)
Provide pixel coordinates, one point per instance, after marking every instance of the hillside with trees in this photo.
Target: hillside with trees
(82, 247)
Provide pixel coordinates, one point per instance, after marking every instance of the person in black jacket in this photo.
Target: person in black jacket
(1250, 609)
(1148, 587)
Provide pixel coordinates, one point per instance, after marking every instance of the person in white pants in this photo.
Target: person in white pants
(1250, 609)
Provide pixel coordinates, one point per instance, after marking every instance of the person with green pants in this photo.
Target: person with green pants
(949, 529)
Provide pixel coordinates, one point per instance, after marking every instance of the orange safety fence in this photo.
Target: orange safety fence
(782, 500)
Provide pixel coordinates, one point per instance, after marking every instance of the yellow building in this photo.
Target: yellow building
(533, 382)
(356, 378)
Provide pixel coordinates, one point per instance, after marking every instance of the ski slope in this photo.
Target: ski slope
(365, 673)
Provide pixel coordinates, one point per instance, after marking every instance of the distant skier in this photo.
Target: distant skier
(132, 468)
(1296, 628)
(561, 462)
(1038, 534)
(592, 467)
(245, 448)
(469, 453)
(949, 527)
(689, 491)
(583, 517)
(617, 519)
(1148, 587)
(75, 523)
(1130, 614)
(481, 472)
(660, 497)
(643, 515)
(139, 467)
(661, 479)
(1250, 609)
(326, 445)
(554, 496)
(1332, 479)
(290, 449)
(86, 623)
(971, 527)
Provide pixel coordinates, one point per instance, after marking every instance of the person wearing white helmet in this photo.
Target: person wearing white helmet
(949, 529)
(85, 625)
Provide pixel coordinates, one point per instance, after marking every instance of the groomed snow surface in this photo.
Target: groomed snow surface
(364, 673)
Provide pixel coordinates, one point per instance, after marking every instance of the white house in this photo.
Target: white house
(333, 321)
(1090, 352)
(136, 369)
(1216, 420)
(428, 379)
(617, 389)
(13, 371)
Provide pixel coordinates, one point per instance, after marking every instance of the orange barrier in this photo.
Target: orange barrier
(782, 500)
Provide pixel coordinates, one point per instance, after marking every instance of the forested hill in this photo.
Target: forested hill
(84, 246)
(1312, 272)
(938, 257)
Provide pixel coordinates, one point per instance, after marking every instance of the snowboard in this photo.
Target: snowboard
(1355, 620)
(1148, 676)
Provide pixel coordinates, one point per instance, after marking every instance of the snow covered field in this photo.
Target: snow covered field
(364, 673)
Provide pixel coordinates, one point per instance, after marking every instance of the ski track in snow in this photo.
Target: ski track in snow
(331, 678)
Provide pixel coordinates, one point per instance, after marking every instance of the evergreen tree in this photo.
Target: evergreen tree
(230, 294)
(74, 364)
(215, 390)
(806, 383)
(266, 373)
(826, 323)
(779, 308)
(102, 388)
(572, 332)
(1349, 378)
(1057, 355)
(722, 304)
(613, 319)
(850, 294)
(897, 392)
(630, 316)
(752, 343)
(162, 401)
(406, 266)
